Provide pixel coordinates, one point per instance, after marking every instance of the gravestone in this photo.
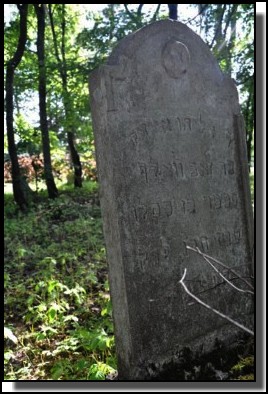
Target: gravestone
(172, 166)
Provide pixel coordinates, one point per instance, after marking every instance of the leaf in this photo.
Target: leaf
(104, 312)
(9, 334)
(51, 285)
(95, 373)
(48, 329)
(70, 317)
(57, 371)
(51, 314)
(8, 355)
(21, 252)
(42, 307)
(40, 336)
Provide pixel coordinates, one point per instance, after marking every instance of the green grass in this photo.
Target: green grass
(57, 302)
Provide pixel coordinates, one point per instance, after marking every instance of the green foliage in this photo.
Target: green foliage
(29, 137)
(99, 370)
(244, 369)
(57, 304)
(110, 25)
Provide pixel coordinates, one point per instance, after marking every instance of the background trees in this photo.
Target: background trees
(78, 39)
(60, 56)
(42, 89)
(20, 190)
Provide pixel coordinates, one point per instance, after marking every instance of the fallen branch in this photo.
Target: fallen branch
(220, 263)
(212, 309)
(206, 258)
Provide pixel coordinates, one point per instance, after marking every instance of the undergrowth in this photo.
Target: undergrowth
(57, 305)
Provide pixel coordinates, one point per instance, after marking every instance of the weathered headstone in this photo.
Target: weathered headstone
(172, 166)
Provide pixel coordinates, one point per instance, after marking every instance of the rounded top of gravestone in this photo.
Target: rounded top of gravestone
(167, 29)
(168, 52)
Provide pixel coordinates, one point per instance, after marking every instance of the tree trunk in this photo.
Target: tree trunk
(230, 22)
(76, 161)
(218, 36)
(173, 11)
(21, 190)
(70, 137)
(66, 102)
(51, 187)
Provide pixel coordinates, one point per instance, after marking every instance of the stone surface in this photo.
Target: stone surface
(171, 158)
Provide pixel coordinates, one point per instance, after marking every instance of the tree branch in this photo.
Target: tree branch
(63, 26)
(229, 18)
(212, 309)
(221, 275)
(156, 12)
(128, 12)
(219, 26)
(220, 263)
(50, 13)
(199, 13)
(139, 9)
(15, 60)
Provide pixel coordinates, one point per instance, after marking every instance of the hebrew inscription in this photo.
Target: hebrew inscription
(182, 125)
(156, 172)
(154, 210)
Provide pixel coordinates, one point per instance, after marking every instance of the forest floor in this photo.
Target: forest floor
(58, 314)
(57, 303)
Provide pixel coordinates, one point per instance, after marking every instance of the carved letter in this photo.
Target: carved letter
(143, 171)
(177, 169)
(187, 125)
(140, 213)
(193, 170)
(188, 206)
(155, 210)
(167, 208)
(205, 169)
